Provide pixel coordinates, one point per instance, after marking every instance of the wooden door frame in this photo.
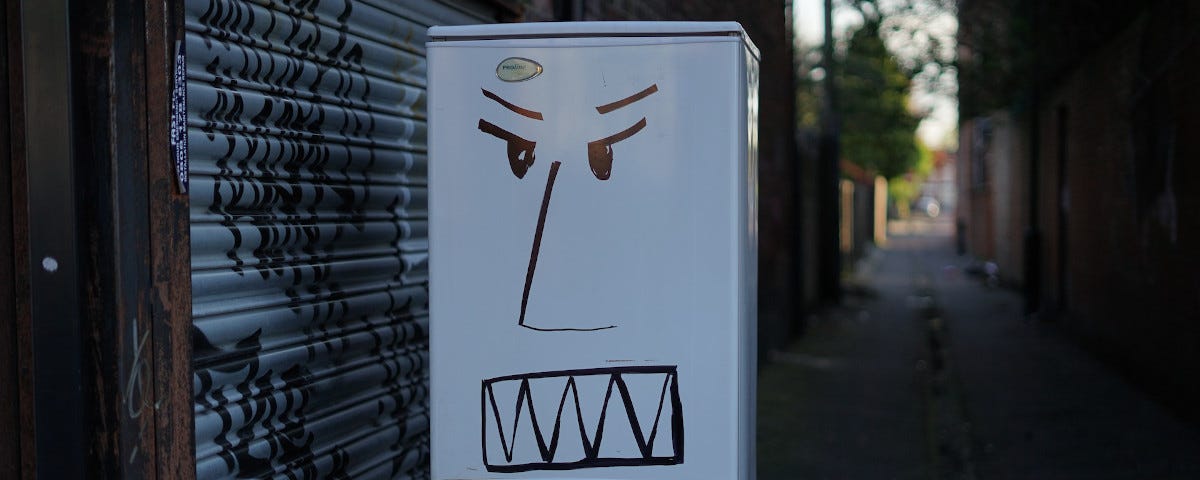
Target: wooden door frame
(122, 288)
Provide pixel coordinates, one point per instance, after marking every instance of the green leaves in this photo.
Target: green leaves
(878, 130)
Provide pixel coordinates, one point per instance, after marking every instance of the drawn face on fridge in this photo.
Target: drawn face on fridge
(591, 220)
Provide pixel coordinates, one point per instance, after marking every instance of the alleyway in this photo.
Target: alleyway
(928, 373)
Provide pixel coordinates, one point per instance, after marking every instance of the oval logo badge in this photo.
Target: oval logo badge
(516, 69)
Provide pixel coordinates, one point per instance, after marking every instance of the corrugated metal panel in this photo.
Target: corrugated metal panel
(306, 131)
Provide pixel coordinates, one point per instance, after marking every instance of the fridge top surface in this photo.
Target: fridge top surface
(529, 30)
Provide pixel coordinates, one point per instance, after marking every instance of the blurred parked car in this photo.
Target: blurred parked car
(928, 206)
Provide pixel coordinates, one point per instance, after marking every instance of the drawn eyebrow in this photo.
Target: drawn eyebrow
(603, 109)
(621, 135)
(521, 111)
(495, 131)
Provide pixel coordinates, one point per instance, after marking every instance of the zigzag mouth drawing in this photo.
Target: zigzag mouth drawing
(634, 439)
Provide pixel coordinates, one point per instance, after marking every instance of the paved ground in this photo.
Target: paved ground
(928, 373)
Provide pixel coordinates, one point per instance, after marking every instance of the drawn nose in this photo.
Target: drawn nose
(600, 158)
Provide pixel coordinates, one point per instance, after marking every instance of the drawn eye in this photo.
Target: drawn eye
(600, 152)
(520, 150)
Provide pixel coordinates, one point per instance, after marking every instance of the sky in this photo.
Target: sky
(936, 129)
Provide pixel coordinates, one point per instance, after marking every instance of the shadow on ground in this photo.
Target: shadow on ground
(926, 372)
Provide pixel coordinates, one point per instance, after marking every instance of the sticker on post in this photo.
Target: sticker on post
(179, 141)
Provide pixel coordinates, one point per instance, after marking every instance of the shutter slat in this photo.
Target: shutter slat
(307, 140)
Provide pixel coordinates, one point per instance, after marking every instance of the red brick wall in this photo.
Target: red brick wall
(1131, 230)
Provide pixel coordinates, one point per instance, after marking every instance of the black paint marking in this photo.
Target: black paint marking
(302, 205)
(521, 158)
(565, 329)
(537, 239)
(591, 446)
(509, 105)
(520, 150)
(603, 109)
(533, 257)
(600, 153)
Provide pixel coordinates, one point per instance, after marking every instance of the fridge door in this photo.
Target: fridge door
(589, 238)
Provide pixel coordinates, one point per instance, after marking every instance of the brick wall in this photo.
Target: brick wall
(1120, 200)
(1109, 100)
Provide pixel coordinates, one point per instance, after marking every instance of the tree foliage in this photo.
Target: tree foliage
(914, 30)
(808, 86)
(904, 189)
(878, 130)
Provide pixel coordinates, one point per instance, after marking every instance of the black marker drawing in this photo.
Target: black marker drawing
(521, 158)
(499, 456)
(522, 111)
(603, 109)
(600, 154)
(520, 150)
(292, 148)
(537, 242)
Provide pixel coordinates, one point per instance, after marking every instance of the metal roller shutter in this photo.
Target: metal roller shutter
(306, 131)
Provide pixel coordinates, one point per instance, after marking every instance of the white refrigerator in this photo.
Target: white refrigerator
(593, 235)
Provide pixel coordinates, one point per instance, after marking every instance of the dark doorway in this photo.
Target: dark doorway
(1064, 206)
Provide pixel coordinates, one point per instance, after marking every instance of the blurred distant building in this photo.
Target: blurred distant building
(942, 182)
